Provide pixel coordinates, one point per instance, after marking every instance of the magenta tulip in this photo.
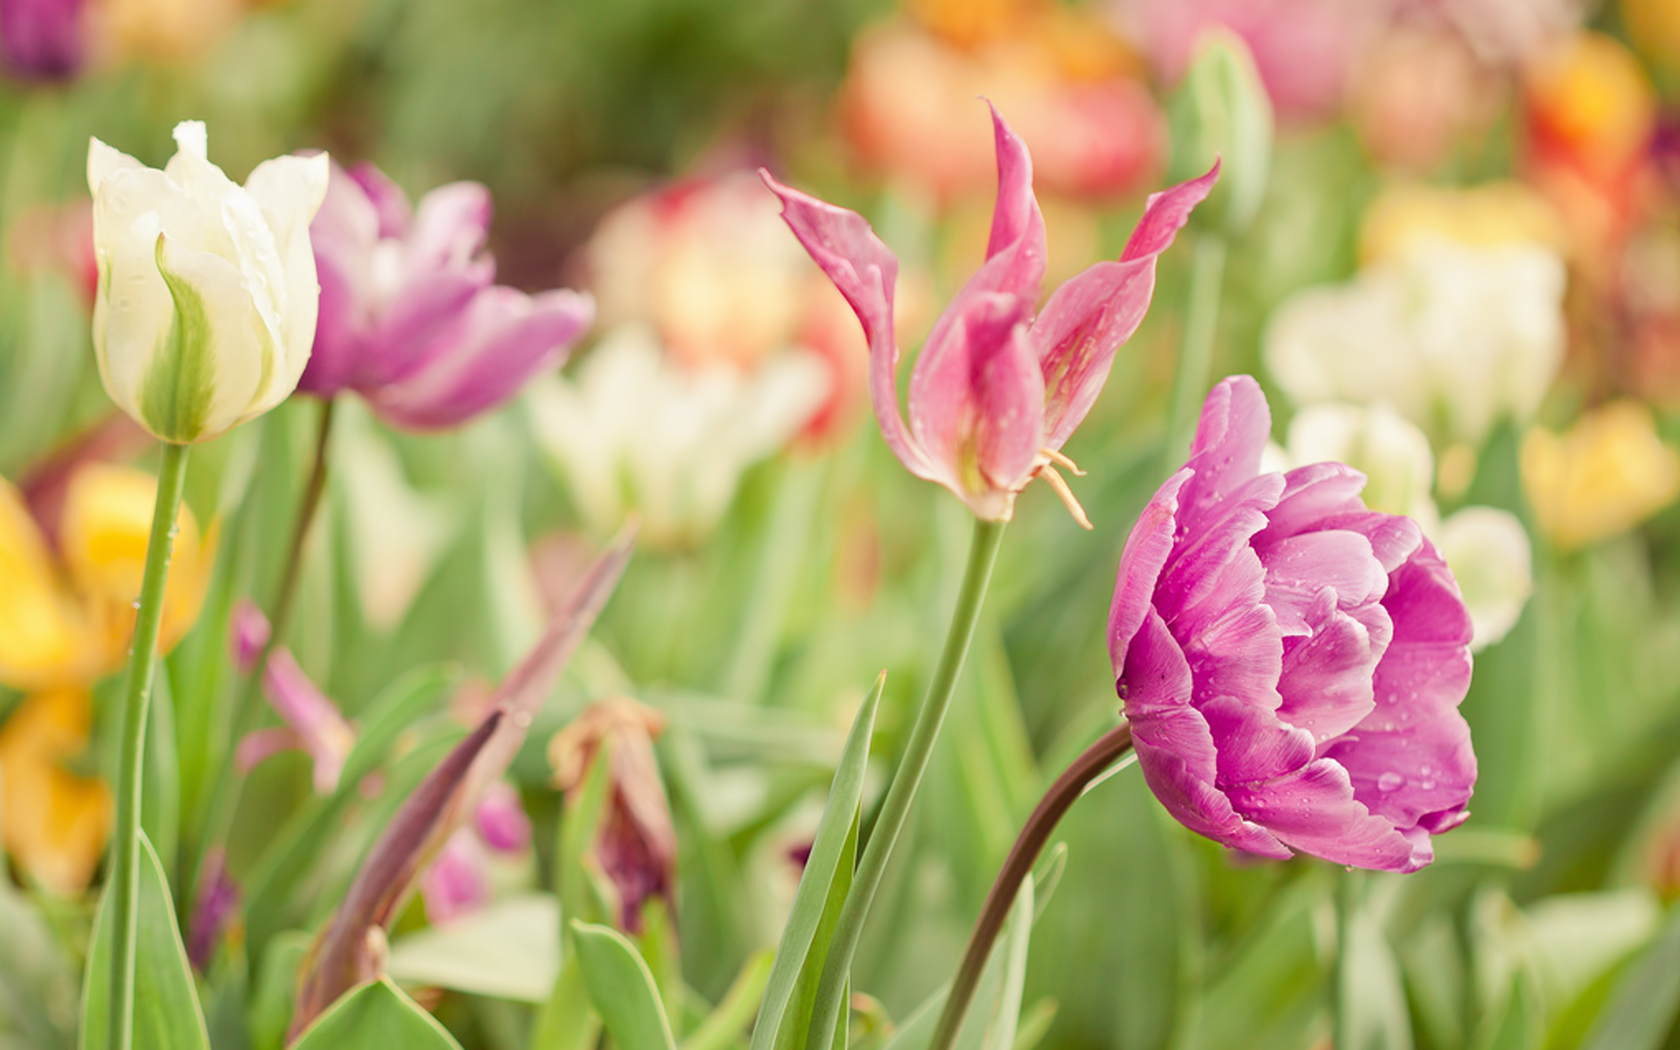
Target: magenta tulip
(1291, 663)
(996, 392)
(410, 315)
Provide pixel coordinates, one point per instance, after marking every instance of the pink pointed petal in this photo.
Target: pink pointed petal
(388, 200)
(428, 319)
(1147, 549)
(1326, 680)
(976, 399)
(1165, 213)
(1086, 320)
(1174, 745)
(259, 746)
(247, 634)
(450, 229)
(865, 271)
(307, 711)
(1017, 223)
(501, 820)
(1232, 434)
(509, 337)
(1313, 810)
(1252, 742)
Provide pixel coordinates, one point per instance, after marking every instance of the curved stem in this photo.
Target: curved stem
(1195, 357)
(142, 663)
(901, 793)
(1090, 765)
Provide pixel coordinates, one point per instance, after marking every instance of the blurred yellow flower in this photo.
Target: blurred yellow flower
(1591, 100)
(66, 612)
(1600, 478)
(166, 31)
(1654, 27)
(1496, 213)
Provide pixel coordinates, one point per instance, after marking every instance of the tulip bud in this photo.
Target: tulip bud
(1222, 111)
(207, 294)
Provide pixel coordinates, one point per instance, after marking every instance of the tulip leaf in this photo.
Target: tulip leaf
(797, 1019)
(621, 987)
(376, 1016)
(1643, 1009)
(509, 949)
(835, 842)
(720, 1029)
(166, 1010)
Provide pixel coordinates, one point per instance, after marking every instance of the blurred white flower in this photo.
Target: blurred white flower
(1453, 336)
(634, 431)
(1487, 548)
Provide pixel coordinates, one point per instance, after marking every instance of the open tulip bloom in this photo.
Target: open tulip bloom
(1291, 663)
(996, 392)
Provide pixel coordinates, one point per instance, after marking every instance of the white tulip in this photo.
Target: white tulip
(1453, 336)
(207, 294)
(1489, 554)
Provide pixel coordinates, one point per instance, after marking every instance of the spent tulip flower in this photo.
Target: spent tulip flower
(1291, 663)
(995, 393)
(411, 316)
(207, 293)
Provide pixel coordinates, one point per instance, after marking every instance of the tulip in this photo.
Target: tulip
(995, 393)
(207, 294)
(41, 39)
(410, 316)
(313, 722)
(214, 907)
(1290, 662)
(1603, 476)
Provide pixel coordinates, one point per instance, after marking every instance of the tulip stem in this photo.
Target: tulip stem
(1092, 763)
(1195, 357)
(142, 663)
(901, 793)
(1344, 1033)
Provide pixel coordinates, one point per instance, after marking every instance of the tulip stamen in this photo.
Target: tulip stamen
(1059, 486)
(1061, 459)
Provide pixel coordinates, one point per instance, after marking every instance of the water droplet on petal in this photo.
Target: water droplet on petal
(1427, 785)
(1390, 782)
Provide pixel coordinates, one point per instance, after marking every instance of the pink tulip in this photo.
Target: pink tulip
(995, 393)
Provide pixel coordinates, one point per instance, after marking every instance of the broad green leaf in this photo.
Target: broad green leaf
(735, 1012)
(270, 1011)
(166, 1010)
(566, 1021)
(622, 989)
(836, 838)
(1643, 1008)
(376, 1016)
(507, 950)
(796, 1020)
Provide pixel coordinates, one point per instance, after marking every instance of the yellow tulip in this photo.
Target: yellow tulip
(1600, 478)
(65, 618)
(1482, 216)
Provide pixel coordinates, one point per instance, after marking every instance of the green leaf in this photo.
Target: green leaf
(732, 1015)
(797, 1018)
(566, 1022)
(836, 838)
(166, 1010)
(1647, 1001)
(622, 989)
(507, 950)
(376, 1016)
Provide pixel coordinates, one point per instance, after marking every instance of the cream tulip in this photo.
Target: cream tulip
(207, 296)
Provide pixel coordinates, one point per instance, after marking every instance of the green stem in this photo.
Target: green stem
(1090, 765)
(142, 662)
(901, 793)
(1201, 322)
(1341, 991)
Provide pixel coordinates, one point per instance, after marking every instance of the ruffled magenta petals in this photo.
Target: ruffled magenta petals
(1291, 663)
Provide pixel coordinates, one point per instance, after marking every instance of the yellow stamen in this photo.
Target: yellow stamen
(1059, 486)
(1061, 460)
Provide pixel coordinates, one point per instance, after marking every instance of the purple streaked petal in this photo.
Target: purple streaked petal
(865, 271)
(1147, 549)
(1313, 810)
(976, 399)
(386, 198)
(1326, 679)
(1165, 213)
(1197, 585)
(507, 338)
(1084, 323)
(343, 234)
(426, 320)
(1017, 223)
(450, 228)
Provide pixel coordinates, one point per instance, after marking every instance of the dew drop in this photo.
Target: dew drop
(137, 605)
(1390, 782)
(1427, 785)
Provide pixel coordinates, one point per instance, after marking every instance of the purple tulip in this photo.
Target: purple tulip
(1291, 662)
(995, 393)
(214, 906)
(41, 39)
(410, 315)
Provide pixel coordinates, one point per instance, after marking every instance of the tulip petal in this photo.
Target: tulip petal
(1084, 323)
(104, 160)
(1230, 437)
(450, 228)
(1165, 213)
(977, 402)
(1299, 568)
(288, 192)
(43, 635)
(1253, 743)
(1312, 494)
(509, 337)
(1147, 549)
(1174, 745)
(216, 354)
(1313, 810)
(865, 271)
(1326, 680)
(429, 318)
(1017, 224)
(343, 234)
(389, 203)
